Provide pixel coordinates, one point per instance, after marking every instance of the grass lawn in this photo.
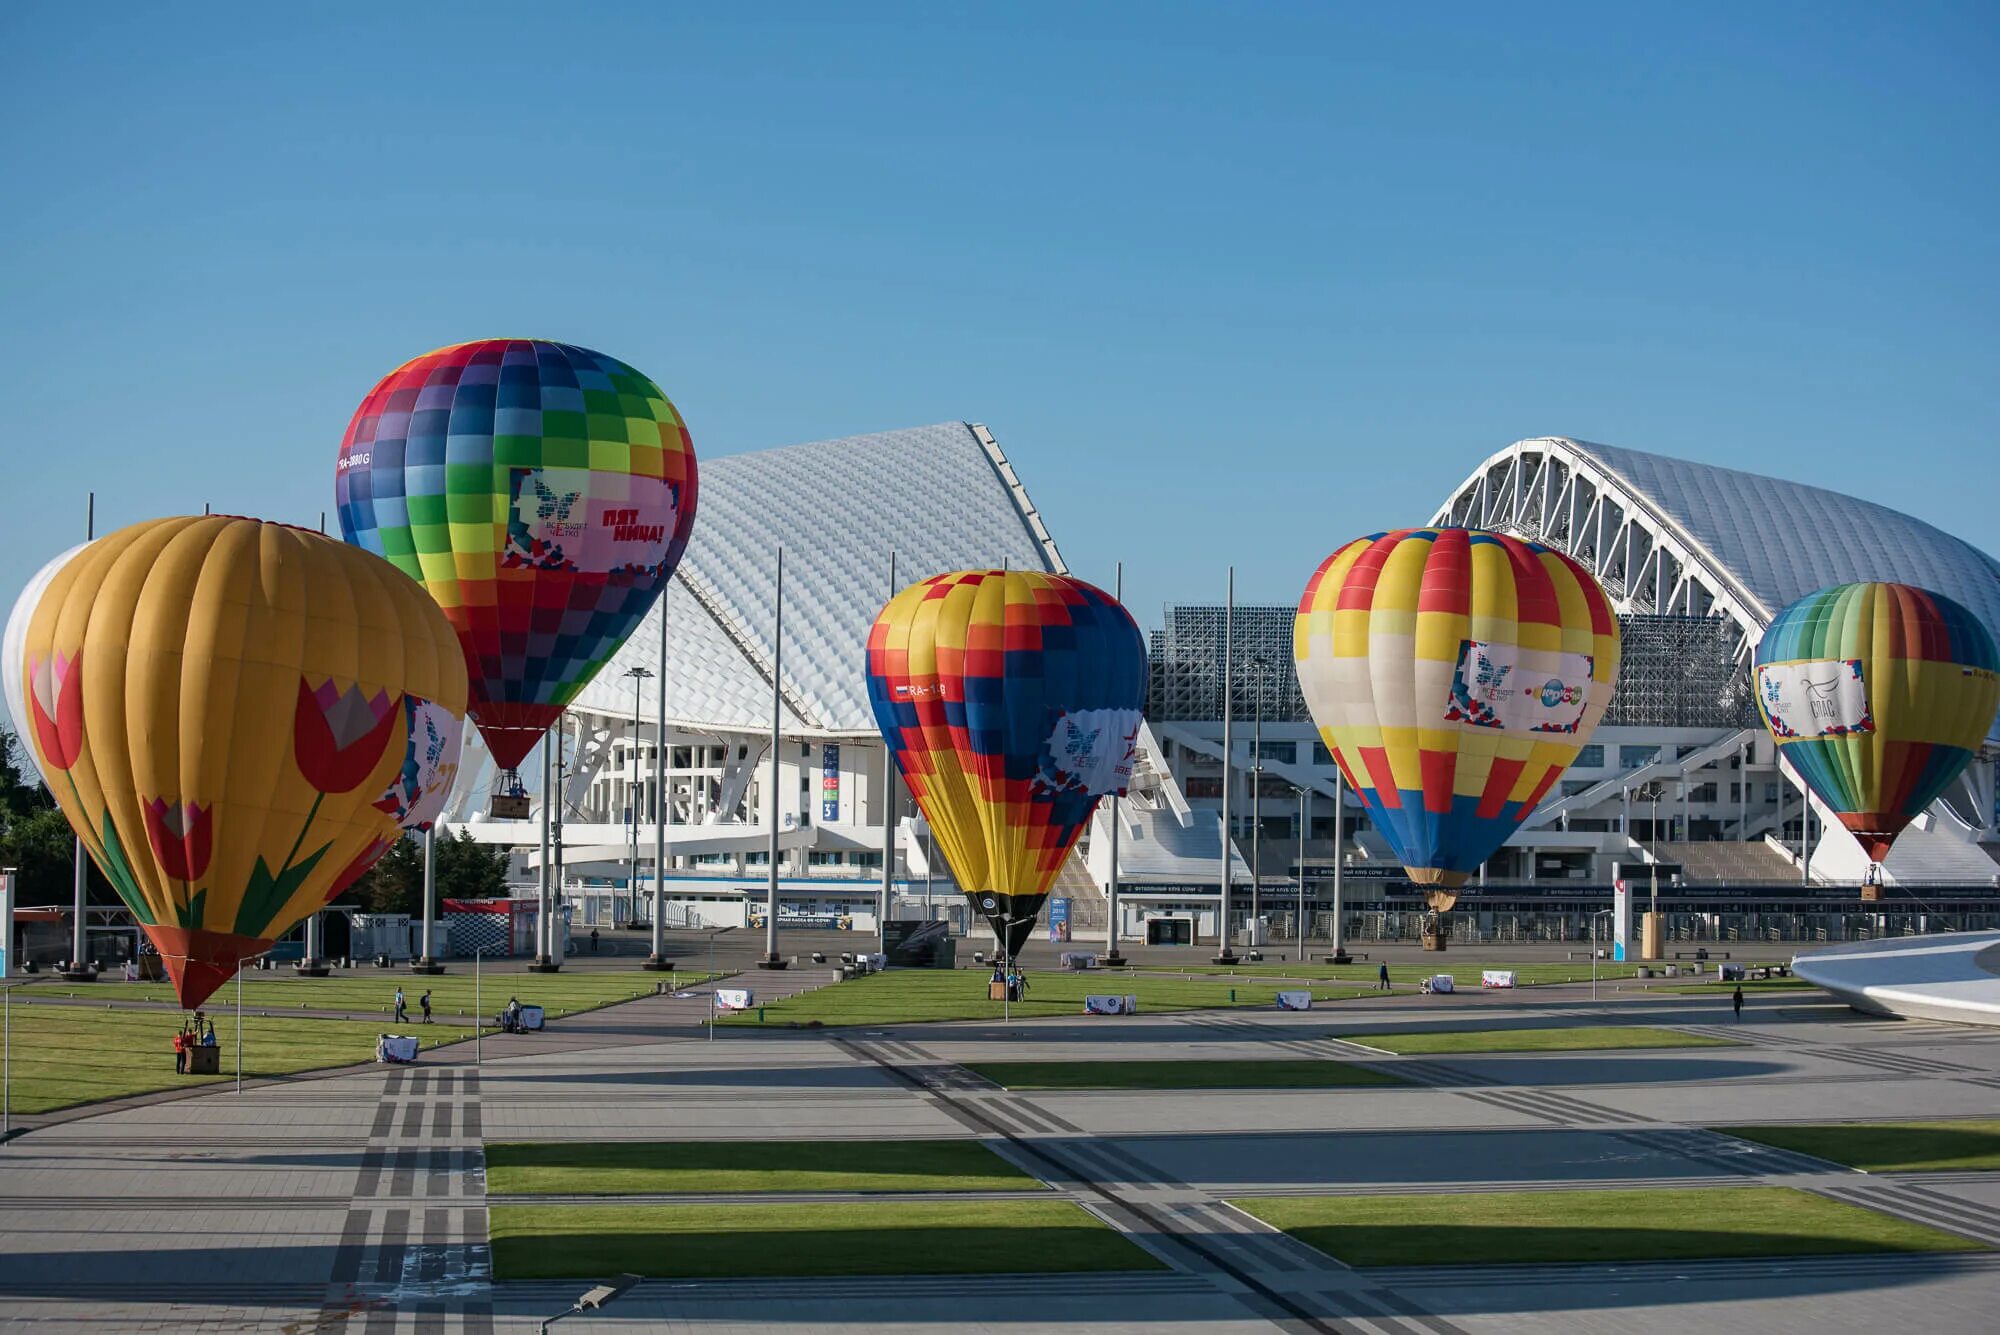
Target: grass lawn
(1466, 971)
(903, 996)
(1748, 985)
(375, 990)
(764, 1165)
(1204, 1074)
(65, 1055)
(1887, 1147)
(1521, 1227)
(863, 1238)
(1579, 1038)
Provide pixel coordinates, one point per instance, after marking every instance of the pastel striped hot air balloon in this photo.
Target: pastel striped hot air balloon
(1011, 701)
(1454, 674)
(237, 718)
(542, 493)
(14, 644)
(1880, 695)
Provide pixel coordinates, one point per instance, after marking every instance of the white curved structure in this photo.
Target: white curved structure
(1681, 538)
(1953, 977)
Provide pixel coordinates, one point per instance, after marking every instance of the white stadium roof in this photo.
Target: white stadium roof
(942, 497)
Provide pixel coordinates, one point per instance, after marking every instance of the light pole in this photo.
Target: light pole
(1257, 665)
(1224, 955)
(1111, 955)
(1305, 819)
(656, 961)
(771, 959)
(888, 815)
(638, 676)
(1339, 955)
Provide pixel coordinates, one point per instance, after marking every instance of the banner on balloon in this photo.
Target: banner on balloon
(1508, 687)
(1091, 751)
(1827, 698)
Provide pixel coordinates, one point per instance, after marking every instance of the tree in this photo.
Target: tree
(466, 869)
(36, 839)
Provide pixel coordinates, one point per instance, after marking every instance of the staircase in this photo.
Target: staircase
(1729, 861)
(1086, 898)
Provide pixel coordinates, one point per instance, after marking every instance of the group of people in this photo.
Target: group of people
(403, 1007)
(190, 1036)
(1013, 979)
(509, 1018)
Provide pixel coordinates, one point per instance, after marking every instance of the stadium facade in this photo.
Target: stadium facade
(1679, 780)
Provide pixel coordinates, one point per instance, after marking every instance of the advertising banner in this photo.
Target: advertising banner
(1621, 916)
(1059, 920)
(1496, 978)
(1295, 1001)
(733, 999)
(829, 782)
(1814, 699)
(1110, 1005)
(1514, 689)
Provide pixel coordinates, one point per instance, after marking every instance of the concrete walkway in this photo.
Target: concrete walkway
(358, 1202)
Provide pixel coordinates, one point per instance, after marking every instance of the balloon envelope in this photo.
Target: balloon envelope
(542, 493)
(1453, 673)
(1011, 701)
(222, 708)
(1880, 695)
(15, 643)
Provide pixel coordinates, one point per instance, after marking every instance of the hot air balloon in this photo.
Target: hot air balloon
(1454, 674)
(14, 645)
(1011, 701)
(541, 492)
(1880, 695)
(223, 709)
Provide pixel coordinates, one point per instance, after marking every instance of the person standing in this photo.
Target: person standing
(1382, 978)
(1736, 1001)
(593, 940)
(424, 1003)
(180, 1052)
(402, 1008)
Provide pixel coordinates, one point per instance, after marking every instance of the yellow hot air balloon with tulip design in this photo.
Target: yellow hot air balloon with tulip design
(238, 718)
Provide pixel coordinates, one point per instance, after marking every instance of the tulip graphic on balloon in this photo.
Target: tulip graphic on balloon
(222, 707)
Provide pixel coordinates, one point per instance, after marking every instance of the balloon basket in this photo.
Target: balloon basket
(1434, 940)
(654, 964)
(428, 968)
(1871, 894)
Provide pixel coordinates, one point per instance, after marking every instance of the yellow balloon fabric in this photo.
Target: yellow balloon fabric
(236, 717)
(1454, 674)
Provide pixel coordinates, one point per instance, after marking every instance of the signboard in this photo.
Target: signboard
(1059, 920)
(1295, 1001)
(1110, 1005)
(829, 782)
(734, 998)
(1496, 978)
(1621, 916)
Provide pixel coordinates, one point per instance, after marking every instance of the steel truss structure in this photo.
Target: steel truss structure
(1184, 678)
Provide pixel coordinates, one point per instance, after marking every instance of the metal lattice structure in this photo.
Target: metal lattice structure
(1184, 681)
(1680, 672)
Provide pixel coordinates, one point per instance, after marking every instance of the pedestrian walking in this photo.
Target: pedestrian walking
(424, 1001)
(402, 1008)
(593, 940)
(1382, 979)
(1737, 1002)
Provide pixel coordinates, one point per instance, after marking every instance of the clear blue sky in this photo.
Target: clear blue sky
(1229, 283)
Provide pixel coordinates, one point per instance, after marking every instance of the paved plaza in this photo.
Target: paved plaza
(357, 1202)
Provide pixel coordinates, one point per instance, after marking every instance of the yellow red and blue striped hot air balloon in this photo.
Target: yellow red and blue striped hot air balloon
(238, 718)
(1880, 695)
(1011, 701)
(1453, 673)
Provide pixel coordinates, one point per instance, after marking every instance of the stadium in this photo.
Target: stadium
(1680, 792)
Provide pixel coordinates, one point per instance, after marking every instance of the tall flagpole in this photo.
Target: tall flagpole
(657, 960)
(1111, 955)
(771, 959)
(1224, 955)
(888, 814)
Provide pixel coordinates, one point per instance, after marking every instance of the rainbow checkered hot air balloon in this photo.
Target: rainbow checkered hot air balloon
(1454, 674)
(541, 492)
(1011, 701)
(1880, 695)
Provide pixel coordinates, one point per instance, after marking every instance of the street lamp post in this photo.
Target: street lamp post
(638, 676)
(772, 960)
(1224, 955)
(1257, 665)
(1305, 820)
(657, 960)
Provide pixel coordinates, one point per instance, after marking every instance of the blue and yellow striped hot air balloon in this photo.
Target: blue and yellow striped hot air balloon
(1880, 695)
(1011, 701)
(1454, 674)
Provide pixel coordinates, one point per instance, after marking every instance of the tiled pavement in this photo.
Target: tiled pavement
(357, 1203)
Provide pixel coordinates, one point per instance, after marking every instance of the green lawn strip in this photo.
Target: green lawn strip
(451, 993)
(1523, 1227)
(1748, 985)
(1465, 972)
(903, 996)
(743, 1166)
(66, 1055)
(986, 1237)
(1578, 1038)
(1181, 1074)
(1887, 1147)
